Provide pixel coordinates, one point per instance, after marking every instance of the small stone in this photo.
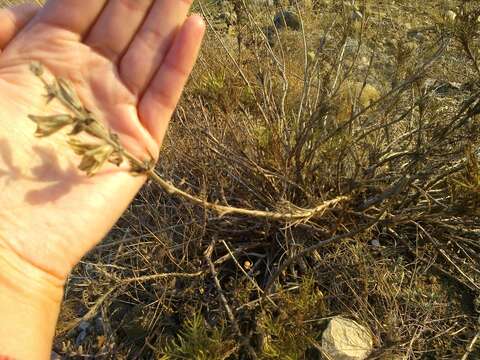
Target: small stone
(416, 34)
(442, 87)
(345, 339)
(83, 326)
(357, 15)
(351, 46)
(81, 338)
(375, 243)
(364, 61)
(451, 15)
(286, 19)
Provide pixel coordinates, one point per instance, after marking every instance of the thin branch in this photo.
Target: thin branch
(84, 121)
(312, 248)
(236, 327)
(471, 345)
(92, 312)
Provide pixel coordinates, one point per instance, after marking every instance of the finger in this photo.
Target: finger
(13, 20)
(116, 26)
(152, 43)
(76, 16)
(162, 95)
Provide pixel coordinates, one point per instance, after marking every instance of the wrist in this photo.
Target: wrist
(22, 279)
(29, 305)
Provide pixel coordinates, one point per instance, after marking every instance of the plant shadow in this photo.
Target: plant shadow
(54, 181)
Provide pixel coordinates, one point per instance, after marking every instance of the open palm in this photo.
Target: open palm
(128, 61)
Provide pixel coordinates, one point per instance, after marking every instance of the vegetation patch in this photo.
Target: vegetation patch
(348, 136)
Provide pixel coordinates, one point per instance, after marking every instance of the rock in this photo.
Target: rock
(353, 47)
(451, 15)
(345, 339)
(356, 15)
(286, 19)
(84, 325)
(80, 338)
(441, 87)
(376, 243)
(416, 34)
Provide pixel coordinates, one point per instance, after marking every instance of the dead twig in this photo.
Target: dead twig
(92, 312)
(236, 327)
(312, 248)
(472, 343)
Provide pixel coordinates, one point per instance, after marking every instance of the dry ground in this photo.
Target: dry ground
(382, 110)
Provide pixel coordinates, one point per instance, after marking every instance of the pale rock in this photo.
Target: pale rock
(345, 339)
(376, 243)
(451, 15)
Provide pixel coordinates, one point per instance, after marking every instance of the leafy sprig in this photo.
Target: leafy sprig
(107, 148)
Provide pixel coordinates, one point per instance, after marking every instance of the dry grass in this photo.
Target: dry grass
(382, 110)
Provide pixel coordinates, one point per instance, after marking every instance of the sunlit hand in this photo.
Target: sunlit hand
(129, 61)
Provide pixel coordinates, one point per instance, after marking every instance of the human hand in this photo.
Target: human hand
(129, 74)
(128, 61)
